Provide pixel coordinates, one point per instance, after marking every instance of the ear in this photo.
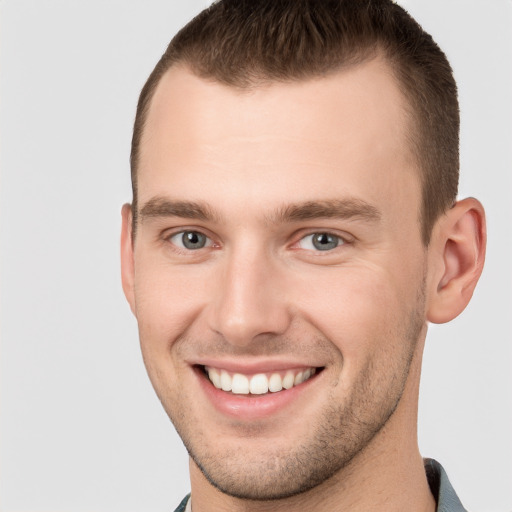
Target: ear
(127, 262)
(456, 260)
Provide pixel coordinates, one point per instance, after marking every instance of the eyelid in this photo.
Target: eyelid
(180, 234)
(345, 239)
(168, 234)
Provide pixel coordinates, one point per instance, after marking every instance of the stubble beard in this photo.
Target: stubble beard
(342, 431)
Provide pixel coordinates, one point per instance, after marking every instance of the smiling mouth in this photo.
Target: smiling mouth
(259, 383)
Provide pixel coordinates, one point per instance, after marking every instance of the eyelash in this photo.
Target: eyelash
(340, 241)
(182, 233)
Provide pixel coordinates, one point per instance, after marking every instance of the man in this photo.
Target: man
(294, 227)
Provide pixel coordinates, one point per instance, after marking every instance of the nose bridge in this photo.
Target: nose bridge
(249, 299)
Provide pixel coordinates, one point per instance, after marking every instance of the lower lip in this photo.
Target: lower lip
(251, 407)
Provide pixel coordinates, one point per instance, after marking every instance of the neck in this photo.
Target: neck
(387, 476)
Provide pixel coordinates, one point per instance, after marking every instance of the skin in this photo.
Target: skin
(260, 293)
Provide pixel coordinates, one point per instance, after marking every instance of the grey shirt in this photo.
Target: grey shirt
(446, 499)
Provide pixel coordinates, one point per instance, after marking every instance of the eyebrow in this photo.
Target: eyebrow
(163, 207)
(348, 208)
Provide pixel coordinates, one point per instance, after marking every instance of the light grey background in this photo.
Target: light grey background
(80, 428)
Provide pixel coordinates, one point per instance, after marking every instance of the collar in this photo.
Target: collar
(446, 498)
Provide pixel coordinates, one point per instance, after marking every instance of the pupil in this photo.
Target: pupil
(324, 241)
(193, 240)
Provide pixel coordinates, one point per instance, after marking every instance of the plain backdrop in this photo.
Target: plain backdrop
(81, 428)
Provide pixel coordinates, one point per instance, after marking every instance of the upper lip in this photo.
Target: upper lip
(249, 367)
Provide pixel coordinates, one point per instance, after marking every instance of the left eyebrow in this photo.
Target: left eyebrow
(350, 208)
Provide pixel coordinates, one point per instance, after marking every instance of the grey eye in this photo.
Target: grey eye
(324, 241)
(320, 242)
(190, 240)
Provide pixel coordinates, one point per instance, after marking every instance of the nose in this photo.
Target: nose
(249, 298)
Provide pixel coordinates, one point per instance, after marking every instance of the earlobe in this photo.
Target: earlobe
(458, 253)
(127, 262)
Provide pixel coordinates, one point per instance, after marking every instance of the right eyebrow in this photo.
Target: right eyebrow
(163, 207)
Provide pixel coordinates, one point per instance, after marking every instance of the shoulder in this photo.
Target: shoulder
(182, 507)
(446, 498)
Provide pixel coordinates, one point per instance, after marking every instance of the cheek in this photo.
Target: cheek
(360, 310)
(167, 300)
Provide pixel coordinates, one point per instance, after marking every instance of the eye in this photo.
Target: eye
(190, 240)
(320, 242)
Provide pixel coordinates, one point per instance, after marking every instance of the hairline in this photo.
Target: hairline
(260, 79)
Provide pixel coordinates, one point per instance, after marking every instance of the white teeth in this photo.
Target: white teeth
(299, 379)
(259, 384)
(225, 381)
(275, 383)
(215, 377)
(289, 380)
(240, 384)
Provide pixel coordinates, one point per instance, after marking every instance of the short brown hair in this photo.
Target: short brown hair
(245, 43)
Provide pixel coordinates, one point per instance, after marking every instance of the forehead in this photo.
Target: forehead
(344, 134)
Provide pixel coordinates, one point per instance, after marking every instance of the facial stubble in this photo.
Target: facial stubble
(346, 429)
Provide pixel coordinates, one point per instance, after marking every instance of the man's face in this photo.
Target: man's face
(279, 239)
